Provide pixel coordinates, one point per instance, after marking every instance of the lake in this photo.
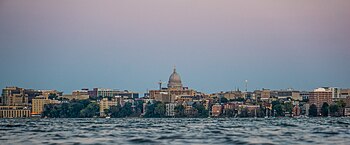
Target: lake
(176, 131)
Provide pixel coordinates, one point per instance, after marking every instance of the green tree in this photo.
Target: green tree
(324, 109)
(155, 110)
(288, 107)
(53, 96)
(179, 111)
(229, 113)
(334, 109)
(90, 111)
(313, 111)
(160, 110)
(341, 104)
(278, 108)
(223, 100)
(202, 112)
(115, 111)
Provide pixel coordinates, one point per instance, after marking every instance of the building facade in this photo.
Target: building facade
(320, 96)
(14, 112)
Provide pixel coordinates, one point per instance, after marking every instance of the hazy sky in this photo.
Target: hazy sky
(215, 44)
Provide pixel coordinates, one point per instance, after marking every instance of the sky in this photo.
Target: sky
(215, 45)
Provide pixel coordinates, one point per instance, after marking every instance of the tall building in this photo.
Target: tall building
(174, 82)
(14, 96)
(320, 96)
(175, 90)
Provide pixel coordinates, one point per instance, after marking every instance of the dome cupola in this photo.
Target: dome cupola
(175, 81)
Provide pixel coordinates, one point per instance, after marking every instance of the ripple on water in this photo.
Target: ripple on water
(175, 131)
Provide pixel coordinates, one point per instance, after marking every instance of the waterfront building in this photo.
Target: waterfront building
(14, 112)
(39, 102)
(170, 109)
(106, 103)
(216, 110)
(320, 96)
(296, 110)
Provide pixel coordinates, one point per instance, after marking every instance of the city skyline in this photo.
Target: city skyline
(216, 46)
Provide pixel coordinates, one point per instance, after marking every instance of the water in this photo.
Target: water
(176, 131)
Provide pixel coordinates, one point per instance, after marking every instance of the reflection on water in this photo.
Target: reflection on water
(175, 131)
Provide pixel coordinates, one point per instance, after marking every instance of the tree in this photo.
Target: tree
(223, 100)
(279, 109)
(313, 111)
(341, 104)
(202, 112)
(229, 113)
(160, 110)
(53, 96)
(324, 109)
(334, 109)
(155, 110)
(179, 111)
(90, 111)
(288, 107)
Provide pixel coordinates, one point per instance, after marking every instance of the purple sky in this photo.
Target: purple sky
(216, 45)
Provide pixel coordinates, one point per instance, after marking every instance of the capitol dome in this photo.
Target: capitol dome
(175, 81)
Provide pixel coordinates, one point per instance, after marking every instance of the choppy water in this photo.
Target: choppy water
(175, 131)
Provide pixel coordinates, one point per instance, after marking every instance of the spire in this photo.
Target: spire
(174, 68)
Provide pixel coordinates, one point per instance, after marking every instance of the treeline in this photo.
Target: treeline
(334, 110)
(73, 109)
(158, 110)
(127, 110)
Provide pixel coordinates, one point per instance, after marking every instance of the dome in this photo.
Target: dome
(175, 80)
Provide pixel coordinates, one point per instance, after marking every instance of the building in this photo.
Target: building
(170, 109)
(296, 110)
(48, 93)
(344, 93)
(80, 92)
(14, 96)
(295, 95)
(304, 95)
(216, 110)
(14, 112)
(39, 102)
(126, 94)
(102, 92)
(175, 90)
(106, 103)
(74, 97)
(320, 96)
